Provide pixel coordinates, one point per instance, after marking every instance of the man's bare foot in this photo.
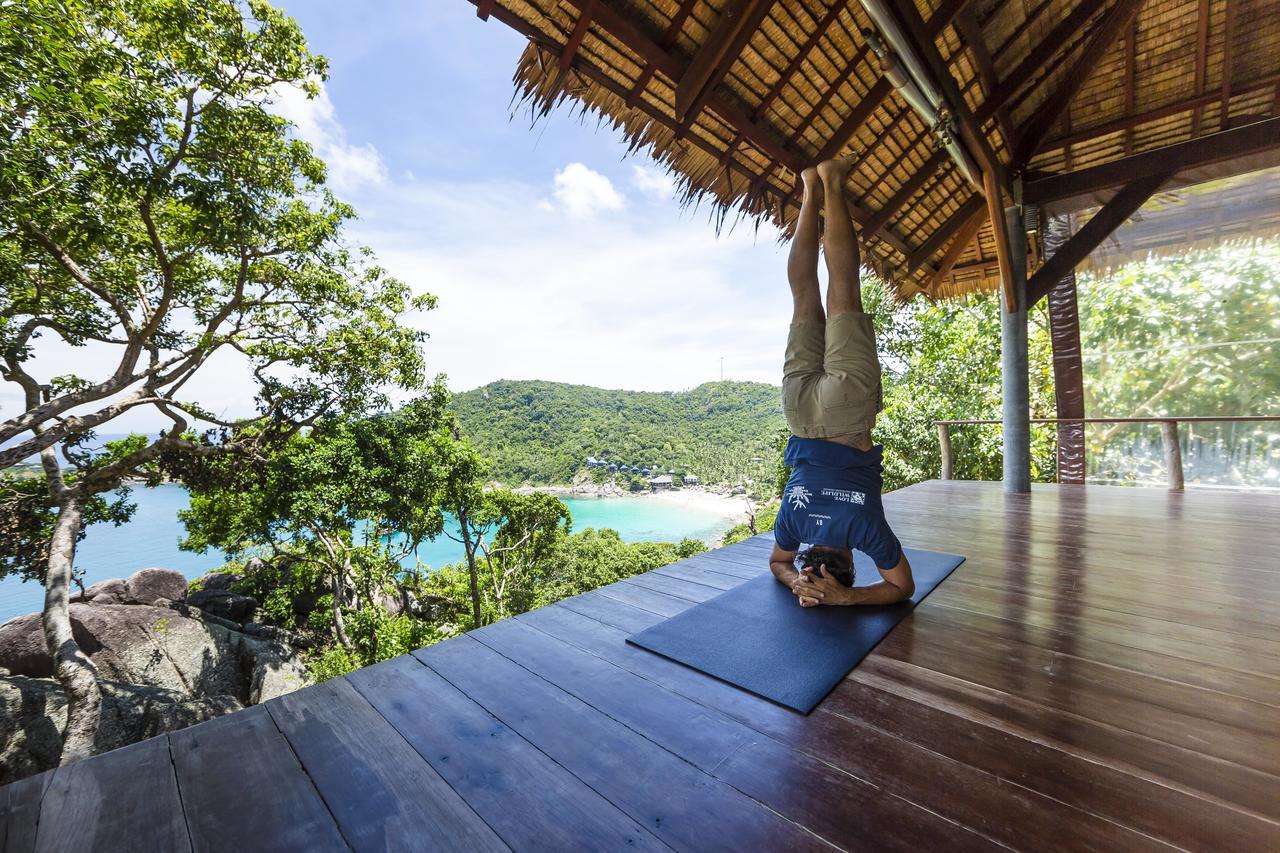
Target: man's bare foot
(812, 184)
(835, 171)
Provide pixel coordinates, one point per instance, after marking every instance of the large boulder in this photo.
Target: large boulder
(33, 713)
(156, 646)
(224, 604)
(146, 585)
(105, 592)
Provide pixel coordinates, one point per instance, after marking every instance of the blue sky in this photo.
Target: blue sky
(554, 254)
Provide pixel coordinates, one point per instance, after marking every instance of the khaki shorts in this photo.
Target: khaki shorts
(831, 377)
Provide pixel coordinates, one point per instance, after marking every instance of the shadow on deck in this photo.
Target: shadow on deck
(1103, 672)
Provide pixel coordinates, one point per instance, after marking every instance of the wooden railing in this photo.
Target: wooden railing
(1168, 431)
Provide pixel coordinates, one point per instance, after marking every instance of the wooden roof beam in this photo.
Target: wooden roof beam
(596, 75)
(484, 8)
(1204, 150)
(965, 235)
(575, 41)
(1039, 57)
(1110, 217)
(968, 26)
(740, 20)
(607, 17)
(975, 141)
(1202, 60)
(1130, 80)
(668, 38)
(857, 118)
(1229, 27)
(909, 189)
(1047, 114)
(938, 239)
(802, 54)
(1129, 122)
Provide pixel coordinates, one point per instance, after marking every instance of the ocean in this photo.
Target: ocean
(151, 539)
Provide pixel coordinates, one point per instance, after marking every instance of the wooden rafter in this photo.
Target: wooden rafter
(970, 127)
(861, 112)
(666, 40)
(938, 239)
(1228, 37)
(965, 236)
(737, 23)
(1084, 134)
(927, 169)
(1110, 217)
(995, 213)
(1202, 60)
(1130, 80)
(484, 8)
(1048, 113)
(575, 37)
(613, 86)
(1218, 147)
(968, 26)
(801, 55)
(1039, 56)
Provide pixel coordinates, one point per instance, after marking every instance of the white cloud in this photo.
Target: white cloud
(643, 300)
(653, 181)
(351, 167)
(582, 191)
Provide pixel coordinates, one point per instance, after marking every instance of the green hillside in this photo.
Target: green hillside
(542, 432)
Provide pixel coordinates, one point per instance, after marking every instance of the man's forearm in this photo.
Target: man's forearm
(878, 593)
(785, 572)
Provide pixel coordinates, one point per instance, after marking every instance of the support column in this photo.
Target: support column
(1068, 367)
(1015, 393)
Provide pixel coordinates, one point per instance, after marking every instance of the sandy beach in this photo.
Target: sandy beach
(732, 507)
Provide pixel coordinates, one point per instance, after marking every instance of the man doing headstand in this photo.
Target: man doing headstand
(831, 394)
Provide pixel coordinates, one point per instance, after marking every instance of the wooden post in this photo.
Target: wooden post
(944, 442)
(1172, 454)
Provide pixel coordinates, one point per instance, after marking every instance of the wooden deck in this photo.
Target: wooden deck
(1103, 673)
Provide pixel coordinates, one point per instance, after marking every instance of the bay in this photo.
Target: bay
(151, 539)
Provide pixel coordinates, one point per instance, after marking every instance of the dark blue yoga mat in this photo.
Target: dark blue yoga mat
(757, 637)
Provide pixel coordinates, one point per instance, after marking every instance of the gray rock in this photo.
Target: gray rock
(139, 644)
(217, 580)
(146, 585)
(110, 591)
(223, 603)
(207, 618)
(33, 712)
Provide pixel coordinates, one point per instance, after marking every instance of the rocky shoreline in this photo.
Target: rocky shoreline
(167, 655)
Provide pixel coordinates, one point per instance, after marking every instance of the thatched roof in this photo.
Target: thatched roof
(735, 96)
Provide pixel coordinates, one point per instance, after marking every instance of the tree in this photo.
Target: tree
(512, 537)
(156, 215)
(353, 497)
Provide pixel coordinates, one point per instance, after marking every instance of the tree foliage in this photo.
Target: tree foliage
(156, 214)
(542, 432)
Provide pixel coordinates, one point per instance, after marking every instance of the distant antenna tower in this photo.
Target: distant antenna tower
(721, 368)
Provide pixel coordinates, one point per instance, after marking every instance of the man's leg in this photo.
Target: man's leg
(841, 244)
(802, 261)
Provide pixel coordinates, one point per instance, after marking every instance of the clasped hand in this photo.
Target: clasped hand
(814, 588)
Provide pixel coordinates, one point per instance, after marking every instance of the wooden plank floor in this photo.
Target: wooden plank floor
(1102, 673)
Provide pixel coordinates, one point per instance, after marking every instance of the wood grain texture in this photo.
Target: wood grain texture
(126, 799)
(383, 795)
(506, 779)
(1103, 672)
(255, 796)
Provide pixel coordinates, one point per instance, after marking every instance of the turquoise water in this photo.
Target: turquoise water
(151, 539)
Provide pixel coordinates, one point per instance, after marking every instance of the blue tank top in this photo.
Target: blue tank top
(833, 499)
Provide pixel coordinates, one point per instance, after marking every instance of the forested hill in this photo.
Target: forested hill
(542, 432)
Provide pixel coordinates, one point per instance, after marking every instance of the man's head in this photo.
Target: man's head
(838, 561)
